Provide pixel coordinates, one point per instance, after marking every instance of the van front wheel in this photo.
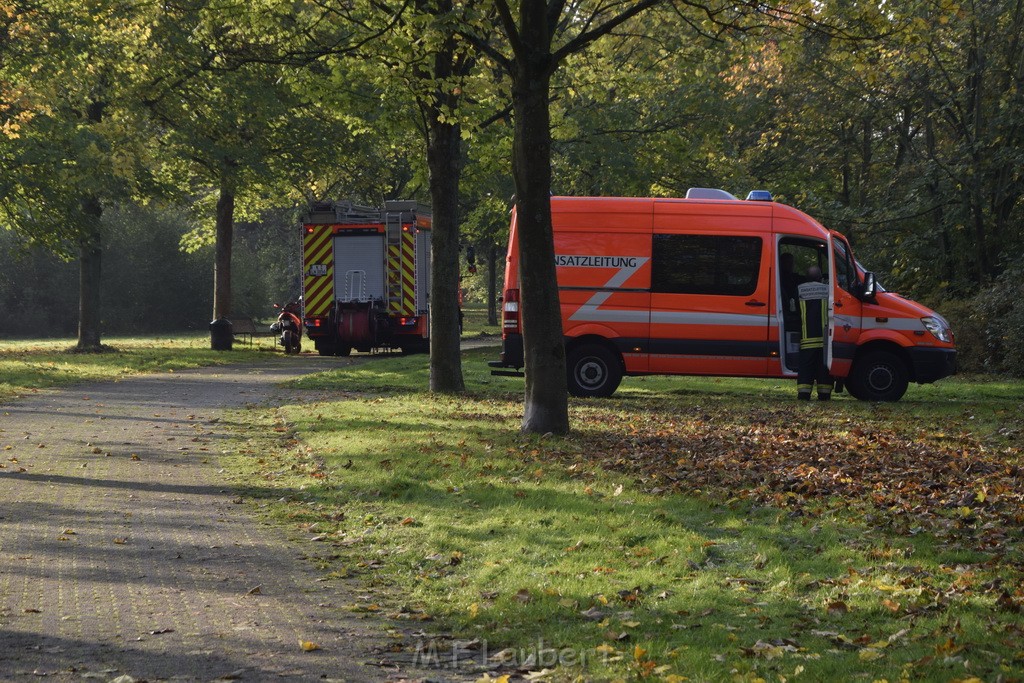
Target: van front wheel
(878, 376)
(593, 371)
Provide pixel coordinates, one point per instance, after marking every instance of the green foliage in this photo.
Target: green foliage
(898, 125)
(989, 327)
(149, 284)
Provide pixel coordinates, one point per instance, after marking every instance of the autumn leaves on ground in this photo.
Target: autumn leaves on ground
(689, 529)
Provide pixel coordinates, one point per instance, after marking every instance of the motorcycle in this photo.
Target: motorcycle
(289, 327)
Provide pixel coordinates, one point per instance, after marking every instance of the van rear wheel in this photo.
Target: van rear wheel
(878, 376)
(594, 371)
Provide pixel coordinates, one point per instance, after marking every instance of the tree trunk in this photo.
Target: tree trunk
(90, 277)
(492, 285)
(222, 250)
(443, 159)
(546, 402)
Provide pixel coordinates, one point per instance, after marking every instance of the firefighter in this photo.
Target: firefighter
(813, 296)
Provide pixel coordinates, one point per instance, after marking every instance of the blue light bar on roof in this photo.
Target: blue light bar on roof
(759, 196)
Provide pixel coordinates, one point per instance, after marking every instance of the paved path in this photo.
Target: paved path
(122, 551)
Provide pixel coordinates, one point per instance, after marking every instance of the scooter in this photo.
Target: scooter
(289, 326)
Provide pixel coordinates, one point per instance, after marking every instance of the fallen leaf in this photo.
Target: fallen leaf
(869, 654)
(838, 607)
(308, 645)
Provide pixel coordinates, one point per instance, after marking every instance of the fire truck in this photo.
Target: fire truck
(366, 277)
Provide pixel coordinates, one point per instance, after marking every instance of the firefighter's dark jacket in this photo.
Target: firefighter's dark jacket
(813, 314)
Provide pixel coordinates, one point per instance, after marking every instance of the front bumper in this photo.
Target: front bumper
(932, 364)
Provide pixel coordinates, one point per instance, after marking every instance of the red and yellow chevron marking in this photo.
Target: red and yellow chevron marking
(402, 276)
(317, 250)
(408, 273)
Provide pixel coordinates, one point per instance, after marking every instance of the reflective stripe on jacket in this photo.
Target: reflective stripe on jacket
(813, 314)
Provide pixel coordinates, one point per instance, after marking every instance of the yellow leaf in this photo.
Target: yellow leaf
(308, 645)
(474, 610)
(631, 624)
(605, 648)
(869, 654)
(638, 652)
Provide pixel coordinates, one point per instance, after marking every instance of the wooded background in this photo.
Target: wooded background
(141, 134)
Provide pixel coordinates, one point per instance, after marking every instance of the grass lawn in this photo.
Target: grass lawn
(689, 528)
(31, 365)
(474, 321)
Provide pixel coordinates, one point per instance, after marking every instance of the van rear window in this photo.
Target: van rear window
(705, 264)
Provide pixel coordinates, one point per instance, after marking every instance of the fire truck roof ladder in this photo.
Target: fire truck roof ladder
(393, 224)
(342, 212)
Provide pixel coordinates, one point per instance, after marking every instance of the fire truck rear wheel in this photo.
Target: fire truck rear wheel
(878, 376)
(594, 371)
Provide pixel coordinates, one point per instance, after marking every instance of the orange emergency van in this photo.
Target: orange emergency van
(707, 286)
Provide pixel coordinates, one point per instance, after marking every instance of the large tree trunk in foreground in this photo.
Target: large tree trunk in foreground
(546, 403)
(90, 277)
(443, 158)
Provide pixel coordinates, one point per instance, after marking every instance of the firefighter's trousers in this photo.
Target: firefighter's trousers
(812, 369)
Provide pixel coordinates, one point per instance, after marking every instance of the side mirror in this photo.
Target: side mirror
(869, 288)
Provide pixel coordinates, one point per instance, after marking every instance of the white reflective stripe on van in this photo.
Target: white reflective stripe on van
(736, 319)
(902, 324)
(589, 312)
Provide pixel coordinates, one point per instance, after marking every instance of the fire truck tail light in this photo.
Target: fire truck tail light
(510, 317)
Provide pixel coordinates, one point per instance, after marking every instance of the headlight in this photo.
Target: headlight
(939, 328)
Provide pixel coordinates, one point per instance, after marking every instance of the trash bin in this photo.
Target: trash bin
(221, 336)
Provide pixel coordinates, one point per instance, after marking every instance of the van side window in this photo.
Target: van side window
(705, 264)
